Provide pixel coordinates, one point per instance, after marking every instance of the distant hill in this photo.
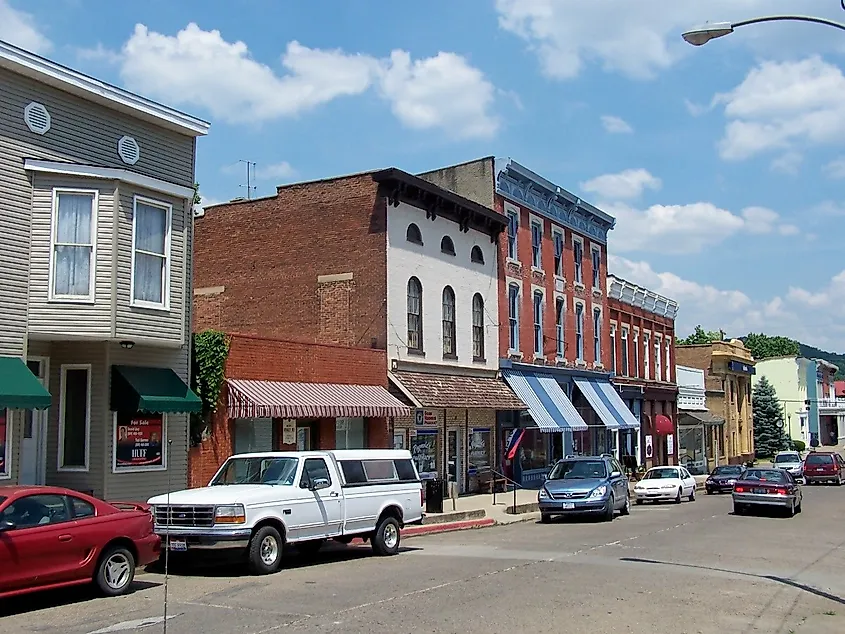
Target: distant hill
(814, 353)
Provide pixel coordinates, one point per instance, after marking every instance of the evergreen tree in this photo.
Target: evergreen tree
(769, 434)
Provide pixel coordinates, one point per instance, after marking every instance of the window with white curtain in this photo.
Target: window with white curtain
(73, 253)
(579, 332)
(151, 253)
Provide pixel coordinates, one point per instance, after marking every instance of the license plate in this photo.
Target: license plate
(178, 545)
(567, 506)
(760, 491)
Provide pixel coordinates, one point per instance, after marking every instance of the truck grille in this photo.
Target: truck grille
(185, 516)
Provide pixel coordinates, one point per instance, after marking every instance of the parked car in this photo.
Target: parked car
(665, 483)
(723, 478)
(767, 487)
(51, 537)
(790, 461)
(585, 485)
(824, 466)
(258, 503)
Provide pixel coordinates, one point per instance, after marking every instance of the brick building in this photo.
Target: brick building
(554, 330)
(642, 360)
(379, 260)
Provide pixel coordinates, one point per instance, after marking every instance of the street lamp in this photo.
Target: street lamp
(700, 35)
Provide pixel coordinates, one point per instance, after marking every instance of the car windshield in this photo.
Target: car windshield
(660, 474)
(787, 457)
(257, 471)
(578, 470)
(727, 471)
(765, 475)
(817, 459)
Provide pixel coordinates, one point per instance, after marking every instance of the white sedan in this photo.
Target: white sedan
(665, 483)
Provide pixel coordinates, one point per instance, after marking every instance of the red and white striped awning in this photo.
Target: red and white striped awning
(273, 399)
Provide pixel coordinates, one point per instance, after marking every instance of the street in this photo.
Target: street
(693, 568)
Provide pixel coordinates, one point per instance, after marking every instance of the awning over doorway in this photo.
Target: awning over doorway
(547, 403)
(137, 388)
(663, 425)
(276, 399)
(698, 417)
(607, 403)
(19, 387)
(457, 391)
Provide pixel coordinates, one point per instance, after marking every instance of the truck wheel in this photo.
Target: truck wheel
(265, 551)
(386, 538)
(115, 571)
(311, 547)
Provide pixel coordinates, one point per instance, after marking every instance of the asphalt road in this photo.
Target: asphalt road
(693, 568)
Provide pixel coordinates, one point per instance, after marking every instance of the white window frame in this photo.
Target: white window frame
(636, 352)
(513, 211)
(168, 255)
(613, 360)
(668, 366)
(646, 354)
(560, 328)
(123, 470)
(579, 332)
(558, 233)
(658, 357)
(578, 275)
(7, 458)
(596, 271)
(54, 227)
(597, 327)
(625, 337)
(515, 348)
(536, 221)
(537, 328)
(62, 398)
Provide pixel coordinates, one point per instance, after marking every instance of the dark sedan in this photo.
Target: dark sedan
(767, 488)
(722, 479)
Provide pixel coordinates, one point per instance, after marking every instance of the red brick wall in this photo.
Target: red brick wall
(547, 282)
(267, 254)
(625, 314)
(205, 459)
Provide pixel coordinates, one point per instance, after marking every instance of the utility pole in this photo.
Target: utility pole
(249, 186)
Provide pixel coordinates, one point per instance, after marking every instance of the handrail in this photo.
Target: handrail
(507, 479)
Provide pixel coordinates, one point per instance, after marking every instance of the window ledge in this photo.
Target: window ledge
(72, 470)
(143, 306)
(597, 291)
(539, 357)
(514, 354)
(82, 301)
(514, 262)
(479, 360)
(537, 269)
(416, 352)
(450, 357)
(581, 363)
(579, 286)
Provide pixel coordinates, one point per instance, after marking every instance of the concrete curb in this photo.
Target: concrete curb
(446, 527)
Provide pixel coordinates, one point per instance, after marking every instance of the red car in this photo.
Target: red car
(824, 466)
(51, 537)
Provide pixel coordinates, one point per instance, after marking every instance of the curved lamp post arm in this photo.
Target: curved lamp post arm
(710, 31)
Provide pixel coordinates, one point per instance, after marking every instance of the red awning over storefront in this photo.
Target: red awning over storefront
(274, 399)
(663, 425)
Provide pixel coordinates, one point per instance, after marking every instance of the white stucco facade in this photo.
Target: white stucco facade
(691, 394)
(435, 271)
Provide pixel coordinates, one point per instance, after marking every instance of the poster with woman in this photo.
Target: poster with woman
(138, 442)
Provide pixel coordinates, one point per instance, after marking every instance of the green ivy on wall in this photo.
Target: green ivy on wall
(210, 350)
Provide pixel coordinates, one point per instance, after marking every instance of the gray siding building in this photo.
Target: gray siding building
(96, 223)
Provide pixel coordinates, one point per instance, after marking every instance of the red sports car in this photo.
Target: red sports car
(52, 537)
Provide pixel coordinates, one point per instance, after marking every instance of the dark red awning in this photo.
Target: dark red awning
(663, 425)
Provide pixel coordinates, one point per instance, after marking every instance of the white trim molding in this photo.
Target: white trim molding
(110, 173)
(92, 265)
(165, 288)
(62, 402)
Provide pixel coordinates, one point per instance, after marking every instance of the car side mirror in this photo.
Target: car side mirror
(319, 483)
(6, 525)
(615, 474)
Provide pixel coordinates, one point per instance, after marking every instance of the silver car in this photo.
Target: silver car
(791, 461)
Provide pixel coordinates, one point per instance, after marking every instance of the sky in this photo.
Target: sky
(724, 164)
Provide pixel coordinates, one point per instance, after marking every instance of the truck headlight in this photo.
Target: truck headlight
(230, 514)
(598, 492)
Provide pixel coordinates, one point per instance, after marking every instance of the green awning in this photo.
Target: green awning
(155, 390)
(19, 387)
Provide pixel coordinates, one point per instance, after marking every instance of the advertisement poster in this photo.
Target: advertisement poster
(139, 442)
(649, 447)
(3, 441)
(670, 445)
(288, 431)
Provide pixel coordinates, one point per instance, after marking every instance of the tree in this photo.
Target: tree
(765, 347)
(701, 336)
(769, 434)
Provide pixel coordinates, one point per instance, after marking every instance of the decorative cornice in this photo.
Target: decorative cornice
(640, 297)
(525, 188)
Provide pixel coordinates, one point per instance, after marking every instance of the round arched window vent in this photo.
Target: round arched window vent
(128, 150)
(37, 118)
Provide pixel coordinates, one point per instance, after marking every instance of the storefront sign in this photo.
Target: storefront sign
(138, 442)
(4, 445)
(424, 418)
(649, 447)
(670, 445)
(288, 431)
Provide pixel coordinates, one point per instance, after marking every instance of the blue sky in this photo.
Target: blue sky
(723, 164)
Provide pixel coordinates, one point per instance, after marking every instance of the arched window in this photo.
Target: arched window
(447, 246)
(449, 322)
(476, 255)
(415, 340)
(413, 234)
(477, 327)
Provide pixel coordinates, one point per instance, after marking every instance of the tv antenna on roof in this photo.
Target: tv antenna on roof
(250, 176)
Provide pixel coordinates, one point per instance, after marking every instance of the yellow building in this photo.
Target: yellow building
(728, 367)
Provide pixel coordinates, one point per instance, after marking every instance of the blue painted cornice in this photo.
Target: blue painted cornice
(534, 192)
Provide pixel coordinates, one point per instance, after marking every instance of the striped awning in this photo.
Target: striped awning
(274, 399)
(548, 405)
(607, 403)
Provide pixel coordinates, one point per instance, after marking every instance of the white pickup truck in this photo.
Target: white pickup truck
(260, 502)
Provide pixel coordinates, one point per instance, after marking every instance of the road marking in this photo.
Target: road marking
(137, 624)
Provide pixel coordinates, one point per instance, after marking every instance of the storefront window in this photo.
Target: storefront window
(350, 433)
(532, 451)
(253, 434)
(399, 439)
(691, 449)
(480, 449)
(424, 452)
(5, 443)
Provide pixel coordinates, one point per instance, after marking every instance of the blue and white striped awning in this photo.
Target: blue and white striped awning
(547, 403)
(607, 403)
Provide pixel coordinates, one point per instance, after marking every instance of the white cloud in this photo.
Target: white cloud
(759, 219)
(624, 185)
(738, 314)
(99, 54)
(788, 163)
(783, 105)
(200, 68)
(275, 172)
(836, 168)
(788, 230)
(615, 125)
(20, 28)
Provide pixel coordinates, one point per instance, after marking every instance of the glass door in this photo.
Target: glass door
(454, 458)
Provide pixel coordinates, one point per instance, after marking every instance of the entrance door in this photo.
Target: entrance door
(303, 439)
(33, 455)
(454, 457)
